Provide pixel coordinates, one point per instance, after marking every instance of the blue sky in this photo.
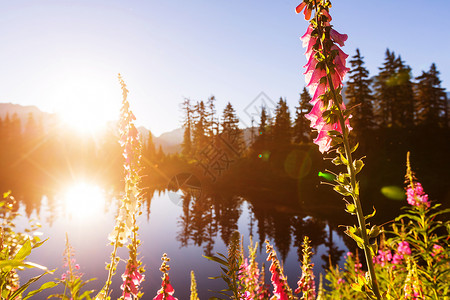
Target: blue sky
(64, 56)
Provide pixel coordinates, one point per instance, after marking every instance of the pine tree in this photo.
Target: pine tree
(394, 93)
(385, 90)
(431, 100)
(187, 125)
(212, 124)
(200, 138)
(302, 130)
(230, 128)
(359, 95)
(282, 131)
(149, 150)
(403, 106)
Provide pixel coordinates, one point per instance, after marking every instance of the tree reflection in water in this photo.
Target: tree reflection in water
(207, 216)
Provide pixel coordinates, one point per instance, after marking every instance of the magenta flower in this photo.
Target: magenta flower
(306, 11)
(403, 248)
(437, 250)
(383, 257)
(307, 284)
(397, 259)
(132, 279)
(166, 291)
(319, 83)
(416, 196)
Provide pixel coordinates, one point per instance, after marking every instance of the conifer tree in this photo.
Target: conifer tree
(394, 93)
(212, 124)
(385, 90)
(149, 150)
(359, 95)
(200, 127)
(403, 106)
(432, 110)
(302, 130)
(230, 127)
(187, 125)
(282, 131)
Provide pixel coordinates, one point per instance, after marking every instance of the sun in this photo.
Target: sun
(83, 200)
(83, 117)
(86, 102)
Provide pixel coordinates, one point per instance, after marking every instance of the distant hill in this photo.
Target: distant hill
(10, 109)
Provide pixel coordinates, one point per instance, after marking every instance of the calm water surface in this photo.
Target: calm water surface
(163, 230)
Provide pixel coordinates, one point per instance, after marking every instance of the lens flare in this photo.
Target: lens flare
(327, 176)
(393, 192)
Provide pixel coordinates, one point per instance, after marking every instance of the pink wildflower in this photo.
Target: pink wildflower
(166, 291)
(132, 279)
(416, 196)
(306, 11)
(307, 284)
(403, 248)
(315, 74)
(383, 257)
(397, 259)
(281, 289)
(341, 281)
(437, 250)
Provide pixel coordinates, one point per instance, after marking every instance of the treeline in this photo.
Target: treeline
(392, 113)
(391, 99)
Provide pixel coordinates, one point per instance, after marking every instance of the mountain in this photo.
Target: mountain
(23, 112)
(169, 141)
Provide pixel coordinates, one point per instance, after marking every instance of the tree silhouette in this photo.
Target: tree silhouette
(359, 95)
(432, 108)
(282, 131)
(302, 130)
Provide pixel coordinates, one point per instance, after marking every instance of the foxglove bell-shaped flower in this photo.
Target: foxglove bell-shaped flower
(321, 78)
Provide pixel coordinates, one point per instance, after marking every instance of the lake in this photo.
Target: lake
(183, 226)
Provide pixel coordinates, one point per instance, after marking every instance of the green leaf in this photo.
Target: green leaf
(45, 286)
(354, 148)
(350, 208)
(337, 161)
(358, 164)
(374, 232)
(22, 288)
(371, 215)
(341, 190)
(24, 251)
(216, 259)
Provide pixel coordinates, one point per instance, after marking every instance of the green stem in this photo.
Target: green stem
(350, 168)
(355, 196)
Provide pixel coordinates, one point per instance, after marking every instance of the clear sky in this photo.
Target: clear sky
(64, 56)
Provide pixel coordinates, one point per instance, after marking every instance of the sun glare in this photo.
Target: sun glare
(83, 200)
(86, 102)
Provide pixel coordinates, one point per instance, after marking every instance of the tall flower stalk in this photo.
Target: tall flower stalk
(325, 71)
(126, 227)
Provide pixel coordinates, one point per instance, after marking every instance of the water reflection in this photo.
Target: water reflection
(200, 223)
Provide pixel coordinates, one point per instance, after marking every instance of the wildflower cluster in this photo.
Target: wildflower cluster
(251, 279)
(72, 278)
(325, 71)
(413, 263)
(281, 289)
(306, 284)
(166, 291)
(126, 226)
